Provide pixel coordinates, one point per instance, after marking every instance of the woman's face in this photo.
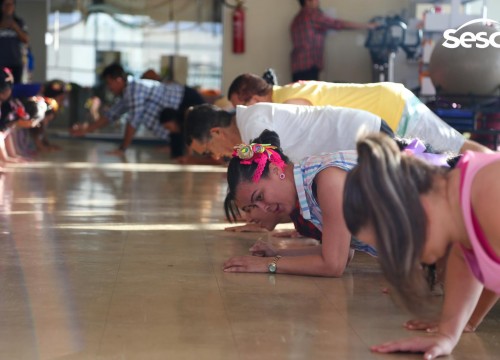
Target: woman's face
(272, 195)
(8, 7)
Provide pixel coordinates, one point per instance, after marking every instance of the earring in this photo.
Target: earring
(282, 176)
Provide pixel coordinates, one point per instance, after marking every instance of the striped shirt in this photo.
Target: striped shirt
(304, 174)
(143, 100)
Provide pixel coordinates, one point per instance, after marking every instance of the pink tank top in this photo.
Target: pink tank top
(482, 260)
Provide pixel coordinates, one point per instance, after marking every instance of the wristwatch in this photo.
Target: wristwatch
(273, 265)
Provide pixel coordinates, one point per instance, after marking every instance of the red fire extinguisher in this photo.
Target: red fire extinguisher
(239, 29)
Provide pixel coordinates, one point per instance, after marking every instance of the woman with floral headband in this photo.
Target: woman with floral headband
(262, 180)
(261, 176)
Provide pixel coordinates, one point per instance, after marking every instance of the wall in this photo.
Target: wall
(34, 13)
(346, 58)
(268, 42)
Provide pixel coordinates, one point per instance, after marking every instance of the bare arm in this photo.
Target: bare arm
(23, 36)
(351, 25)
(462, 293)
(336, 237)
(128, 137)
(127, 140)
(487, 300)
(485, 196)
(80, 130)
(474, 146)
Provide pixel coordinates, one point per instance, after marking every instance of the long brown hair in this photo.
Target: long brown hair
(383, 192)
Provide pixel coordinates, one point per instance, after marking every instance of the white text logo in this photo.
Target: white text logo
(469, 39)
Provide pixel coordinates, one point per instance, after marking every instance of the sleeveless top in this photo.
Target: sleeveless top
(304, 174)
(483, 262)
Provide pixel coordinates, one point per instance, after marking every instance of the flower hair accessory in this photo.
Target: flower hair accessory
(260, 154)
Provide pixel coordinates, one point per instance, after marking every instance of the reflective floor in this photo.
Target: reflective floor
(108, 259)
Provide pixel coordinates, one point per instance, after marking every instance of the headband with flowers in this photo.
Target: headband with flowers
(260, 154)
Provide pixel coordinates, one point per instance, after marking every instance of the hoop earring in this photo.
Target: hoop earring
(282, 176)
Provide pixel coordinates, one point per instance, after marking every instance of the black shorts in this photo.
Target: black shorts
(385, 128)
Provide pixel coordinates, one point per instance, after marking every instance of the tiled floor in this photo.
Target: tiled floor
(105, 259)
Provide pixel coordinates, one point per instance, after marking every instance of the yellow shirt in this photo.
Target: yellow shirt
(385, 99)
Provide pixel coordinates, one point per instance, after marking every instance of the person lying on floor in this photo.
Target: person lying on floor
(405, 114)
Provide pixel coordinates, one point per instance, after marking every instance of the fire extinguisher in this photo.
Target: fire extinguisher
(239, 29)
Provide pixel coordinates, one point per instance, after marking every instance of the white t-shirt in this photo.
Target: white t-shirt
(306, 130)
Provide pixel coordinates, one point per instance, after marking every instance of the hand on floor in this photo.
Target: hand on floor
(432, 346)
(262, 248)
(79, 129)
(246, 264)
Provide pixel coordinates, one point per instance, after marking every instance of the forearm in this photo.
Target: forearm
(3, 151)
(350, 25)
(474, 146)
(301, 251)
(462, 293)
(128, 137)
(102, 122)
(487, 300)
(10, 147)
(23, 36)
(311, 265)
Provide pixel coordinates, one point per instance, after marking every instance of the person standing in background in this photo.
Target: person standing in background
(13, 36)
(308, 31)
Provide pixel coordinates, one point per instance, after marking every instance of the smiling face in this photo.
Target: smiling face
(271, 195)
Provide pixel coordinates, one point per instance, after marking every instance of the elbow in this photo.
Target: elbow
(334, 270)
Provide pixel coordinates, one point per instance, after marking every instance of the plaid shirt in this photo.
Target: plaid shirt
(308, 30)
(304, 174)
(304, 227)
(143, 100)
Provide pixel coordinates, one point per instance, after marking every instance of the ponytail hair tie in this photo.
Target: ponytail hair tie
(417, 148)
